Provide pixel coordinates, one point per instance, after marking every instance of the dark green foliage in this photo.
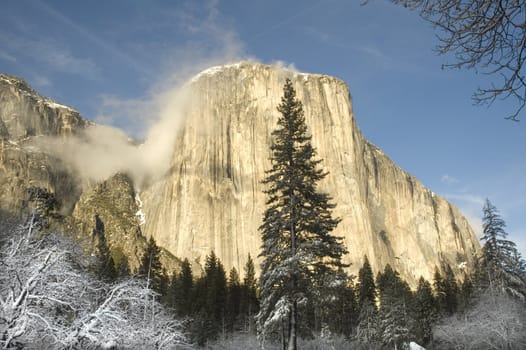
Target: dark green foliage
(44, 202)
(105, 266)
(366, 285)
(451, 290)
(300, 257)
(151, 268)
(424, 312)
(465, 296)
(182, 290)
(123, 268)
(43, 209)
(367, 329)
(210, 295)
(440, 292)
(233, 300)
(395, 306)
(342, 312)
(249, 303)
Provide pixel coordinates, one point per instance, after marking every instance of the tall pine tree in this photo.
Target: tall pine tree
(502, 265)
(367, 312)
(151, 267)
(300, 256)
(249, 305)
(424, 312)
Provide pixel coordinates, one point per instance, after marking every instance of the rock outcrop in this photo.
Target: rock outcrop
(117, 206)
(24, 117)
(213, 199)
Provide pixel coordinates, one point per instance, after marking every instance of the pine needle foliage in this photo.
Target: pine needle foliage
(300, 256)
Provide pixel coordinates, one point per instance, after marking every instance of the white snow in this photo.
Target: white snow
(140, 213)
(415, 346)
(6, 80)
(53, 104)
(215, 69)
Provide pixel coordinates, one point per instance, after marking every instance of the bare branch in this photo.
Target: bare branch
(485, 35)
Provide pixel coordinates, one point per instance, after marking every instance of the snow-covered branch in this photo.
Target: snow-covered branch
(46, 299)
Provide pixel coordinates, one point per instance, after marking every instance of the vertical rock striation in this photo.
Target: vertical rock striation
(212, 198)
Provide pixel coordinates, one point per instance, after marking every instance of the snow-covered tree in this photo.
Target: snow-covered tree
(49, 299)
(395, 306)
(495, 322)
(300, 256)
(502, 265)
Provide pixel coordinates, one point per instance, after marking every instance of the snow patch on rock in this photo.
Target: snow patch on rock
(53, 104)
(140, 214)
(214, 70)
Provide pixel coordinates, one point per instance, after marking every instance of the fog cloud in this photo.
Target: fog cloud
(154, 119)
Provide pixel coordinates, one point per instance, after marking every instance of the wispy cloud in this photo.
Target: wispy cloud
(40, 81)
(211, 41)
(110, 48)
(466, 198)
(49, 52)
(449, 180)
(6, 56)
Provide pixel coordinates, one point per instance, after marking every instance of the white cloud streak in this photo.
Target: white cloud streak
(50, 53)
(102, 150)
(449, 180)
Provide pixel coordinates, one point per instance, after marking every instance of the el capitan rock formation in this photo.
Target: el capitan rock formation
(212, 199)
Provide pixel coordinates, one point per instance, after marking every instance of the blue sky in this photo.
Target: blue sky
(107, 58)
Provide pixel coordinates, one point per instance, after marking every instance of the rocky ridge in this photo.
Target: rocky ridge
(212, 197)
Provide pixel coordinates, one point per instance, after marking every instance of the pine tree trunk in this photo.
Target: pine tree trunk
(292, 338)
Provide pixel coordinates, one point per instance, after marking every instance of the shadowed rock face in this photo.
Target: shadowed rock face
(212, 199)
(26, 116)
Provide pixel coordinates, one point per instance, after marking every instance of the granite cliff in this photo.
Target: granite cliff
(211, 198)
(27, 119)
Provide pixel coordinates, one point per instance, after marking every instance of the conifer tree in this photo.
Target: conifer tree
(451, 290)
(300, 257)
(342, 313)
(233, 299)
(366, 285)
(182, 286)
(424, 312)
(395, 305)
(465, 293)
(210, 301)
(249, 305)
(440, 291)
(502, 265)
(151, 268)
(367, 312)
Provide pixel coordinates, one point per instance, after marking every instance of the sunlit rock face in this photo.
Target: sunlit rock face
(24, 117)
(212, 199)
